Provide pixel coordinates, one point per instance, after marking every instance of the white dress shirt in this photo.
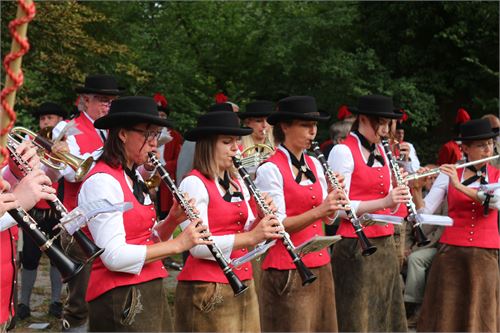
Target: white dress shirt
(195, 188)
(270, 180)
(107, 229)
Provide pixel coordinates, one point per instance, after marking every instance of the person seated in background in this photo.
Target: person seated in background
(419, 259)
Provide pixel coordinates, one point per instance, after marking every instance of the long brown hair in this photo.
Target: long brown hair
(204, 157)
(114, 150)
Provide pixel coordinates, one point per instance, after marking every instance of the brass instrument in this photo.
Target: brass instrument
(153, 181)
(57, 160)
(88, 247)
(416, 176)
(254, 155)
(65, 265)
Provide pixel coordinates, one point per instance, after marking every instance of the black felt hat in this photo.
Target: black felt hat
(257, 109)
(376, 106)
(49, 108)
(297, 107)
(221, 107)
(476, 129)
(130, 110)
(217, 123)
(100, 84)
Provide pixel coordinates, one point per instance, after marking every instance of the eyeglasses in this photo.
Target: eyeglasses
(484, 145)
(148, 135)
(103, 99)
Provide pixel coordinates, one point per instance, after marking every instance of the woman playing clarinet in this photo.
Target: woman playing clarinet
(369, 295)
(297, 184)
(125, 291)
(462, 293)
(204, 300)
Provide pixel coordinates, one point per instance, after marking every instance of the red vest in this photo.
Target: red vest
(298, 199)
(367, 183)
(7, 273)
(224, 218)
(470, 227)
(170, 155)
(138, 223)
(88, 141)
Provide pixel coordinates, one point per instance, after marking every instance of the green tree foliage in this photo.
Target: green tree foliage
(433, 57)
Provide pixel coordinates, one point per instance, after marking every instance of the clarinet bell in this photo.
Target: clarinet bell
(236, 284)
(306, 275)
(64, 264)
(367, 249)
(88, 247)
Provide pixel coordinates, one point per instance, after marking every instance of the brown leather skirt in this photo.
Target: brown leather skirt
(212, 307)
(462, 292)
(287, 306)
(368, 289)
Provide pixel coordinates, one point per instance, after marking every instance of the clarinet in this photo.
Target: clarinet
(90, 250)
(366, 247)
(412, 210)
(237, 286)
(305, 274)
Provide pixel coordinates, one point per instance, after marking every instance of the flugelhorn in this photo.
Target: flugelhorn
(412, 216)
(53, 160)
(366, 247)
(306, 275)
(434, 171)
(254, 155)
(237, 286)
(88, 247)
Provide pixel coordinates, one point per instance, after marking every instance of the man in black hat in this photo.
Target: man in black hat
(95, 98)
(48, 115)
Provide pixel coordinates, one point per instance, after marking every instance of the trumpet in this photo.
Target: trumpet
(412, 210)
(306, 275)
(366, 247)
(237, 286)
(58, 160)
(90, 250)
(416, 176)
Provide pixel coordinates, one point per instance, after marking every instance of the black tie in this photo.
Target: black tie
(103, 137)
(374, 153)
(138, 186)
(301, 167)
(481, 175)
(226, 185)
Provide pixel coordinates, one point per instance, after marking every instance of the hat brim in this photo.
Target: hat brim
(44, 113)
(129, 118)
(392, 115)
(107, 92)
(198, 133)
(245, 115)
(278, 116)
(482, 136)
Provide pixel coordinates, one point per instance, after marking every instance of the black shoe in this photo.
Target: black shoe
(55, 309)
(23, 311)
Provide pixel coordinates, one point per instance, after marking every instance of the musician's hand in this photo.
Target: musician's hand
(194, 234)
(177, 214)
(340, 179)
(404, 150)
(7, 200)
(334, 201)
(33, 188)
(60, 147)
(29, 154)
(419, 184)
(451, 171)
(269, 202)
(267, 228)
(400, 194)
